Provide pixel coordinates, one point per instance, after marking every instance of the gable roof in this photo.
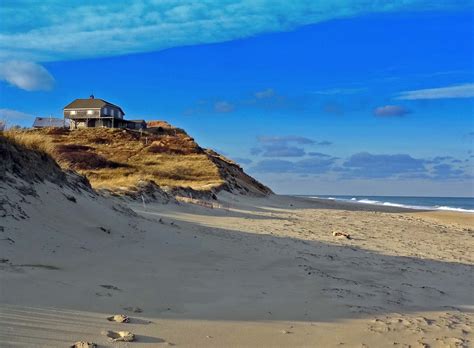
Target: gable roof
(93, 103)
(48, 122)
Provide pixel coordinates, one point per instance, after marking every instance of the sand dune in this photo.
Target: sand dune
(261, 272)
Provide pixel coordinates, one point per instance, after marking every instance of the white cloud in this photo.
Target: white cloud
(267, 93)
(58, 30)
(10, 116)
(391, 111)
(465, 90)
(336, 91)
(223, 107)
(26, 75)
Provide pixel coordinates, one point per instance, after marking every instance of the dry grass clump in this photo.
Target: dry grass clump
(114, 158)
(194, 171)
(29, 162)
(83, 160)
(178, 144)
(82, 157)
(30, 140)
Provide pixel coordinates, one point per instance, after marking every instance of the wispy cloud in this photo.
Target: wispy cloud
(10, 116)
(26, 75)
(267, 93)
(286, 146)
(367, 165)
(448, 171)
(285, 139)
(339, 91)
(391, 111)
(56, 31)
(268, 99)
(465, 90)
(315, 165)
(283, 150)
(223, 107)
(282, 146)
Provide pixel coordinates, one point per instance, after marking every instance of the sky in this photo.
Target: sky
(310, 97)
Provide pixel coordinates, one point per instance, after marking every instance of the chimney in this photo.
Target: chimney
(91, 96)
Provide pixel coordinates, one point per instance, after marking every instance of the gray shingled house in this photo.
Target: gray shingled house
(45, 122)
(93, 112)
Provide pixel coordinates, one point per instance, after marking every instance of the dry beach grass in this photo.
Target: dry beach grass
(112, 158)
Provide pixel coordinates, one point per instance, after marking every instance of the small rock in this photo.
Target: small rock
(341, 234)
(119, 318)
(120, 336)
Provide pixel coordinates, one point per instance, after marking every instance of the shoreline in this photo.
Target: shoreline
(386, 203)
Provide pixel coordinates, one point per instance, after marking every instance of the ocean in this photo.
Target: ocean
(461, 204)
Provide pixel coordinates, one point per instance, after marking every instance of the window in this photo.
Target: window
(72, 112)
(112, 112)
(106, 111)
(90, 112)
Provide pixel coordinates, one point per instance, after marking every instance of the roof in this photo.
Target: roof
(137, 121)
(48, 122)
(93, 103)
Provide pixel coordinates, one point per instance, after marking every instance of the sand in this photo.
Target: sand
(255, 272)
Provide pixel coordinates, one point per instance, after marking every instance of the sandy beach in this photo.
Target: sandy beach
(250, 272)
(237, 174)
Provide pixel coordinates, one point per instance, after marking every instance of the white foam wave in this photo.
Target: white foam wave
(367, 201)
(456, 209)
(398, 205)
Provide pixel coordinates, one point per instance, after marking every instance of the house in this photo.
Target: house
(137, 124)
(94, 112)
(43, 122)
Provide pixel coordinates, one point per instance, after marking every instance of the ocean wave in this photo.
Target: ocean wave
(456, 209)
(354, 200)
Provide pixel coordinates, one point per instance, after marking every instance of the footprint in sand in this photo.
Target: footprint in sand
(84, 344)
(110, 287)
(133, 309)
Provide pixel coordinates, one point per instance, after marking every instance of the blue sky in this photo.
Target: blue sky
(310, 97)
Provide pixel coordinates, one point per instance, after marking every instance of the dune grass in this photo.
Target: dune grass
(113, 158)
